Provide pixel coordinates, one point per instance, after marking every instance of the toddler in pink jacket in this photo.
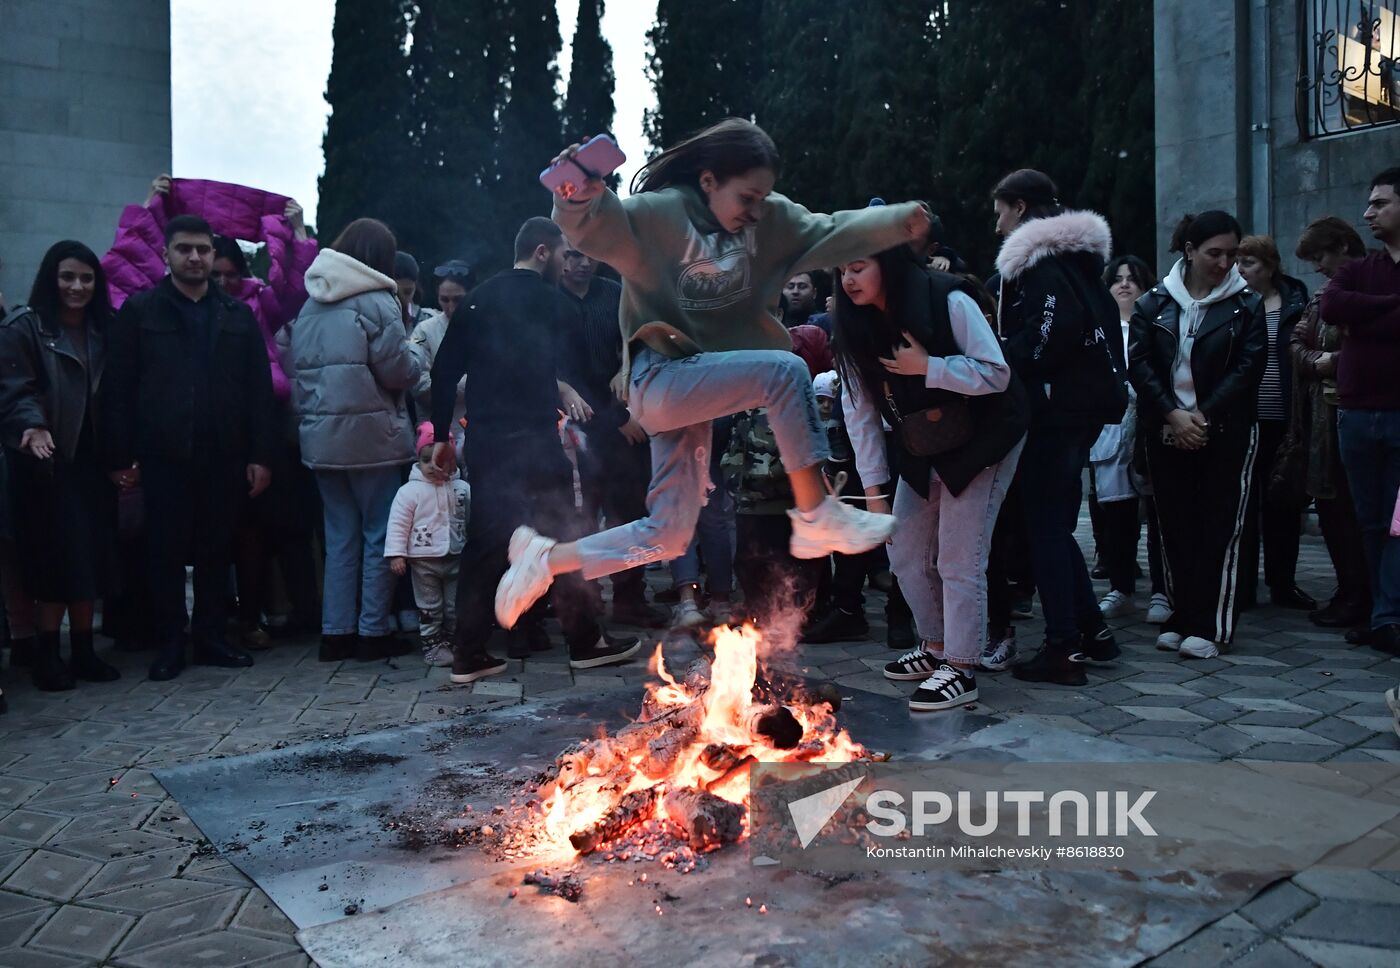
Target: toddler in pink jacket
(427, 529)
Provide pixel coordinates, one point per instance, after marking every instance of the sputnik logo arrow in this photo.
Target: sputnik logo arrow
(811, 813)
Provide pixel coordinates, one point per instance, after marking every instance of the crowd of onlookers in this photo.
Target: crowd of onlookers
(333, 455)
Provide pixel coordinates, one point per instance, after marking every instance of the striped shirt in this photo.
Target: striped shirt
(1271, 387)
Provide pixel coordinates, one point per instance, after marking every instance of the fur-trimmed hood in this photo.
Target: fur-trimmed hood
(1061, 234)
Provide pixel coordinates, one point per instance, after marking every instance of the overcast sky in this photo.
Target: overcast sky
(248, 90)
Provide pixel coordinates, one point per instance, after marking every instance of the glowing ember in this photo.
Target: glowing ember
(681, 770)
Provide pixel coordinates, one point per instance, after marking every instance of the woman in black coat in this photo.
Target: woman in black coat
(1197, 345)
(53, 353)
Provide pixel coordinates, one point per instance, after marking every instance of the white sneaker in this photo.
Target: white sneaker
(1195, 647)
(1392, 699)
(687, 615)
(999, 653)
(1116, 604)
(1159, 609)
(1168, 642)
(837, 527)
(527, 578)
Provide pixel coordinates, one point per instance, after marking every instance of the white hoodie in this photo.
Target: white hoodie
(428, 520)
(1193, 313)
(334, 276)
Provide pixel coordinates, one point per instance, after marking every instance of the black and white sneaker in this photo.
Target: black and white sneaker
(1098, 646)
(913, 665)
(946, 688)
(609, 650)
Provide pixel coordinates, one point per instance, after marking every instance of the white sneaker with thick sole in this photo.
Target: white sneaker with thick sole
(833, 526)
(687, 615)
(1168, 642)
(1159, 609)
(1000, 653)
(1116, 604)
(527, 578)
(1392, 699)
(1195, 647)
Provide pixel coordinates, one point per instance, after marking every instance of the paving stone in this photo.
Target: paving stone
(259, 915)
(1215, 710)
(144, 898)
(75, 786)
(14, 791)
(83, 931)
(1299, 720)
(1341, 731)
(1159, 728)
(16, 929)
(218, 872)
(1289, 753)
(1107, 719)
(223, 949)
(114, 844)
(1330, 954)
(126, 816)
(1347, 921)
(1165, 714)
(12, 903)
(51, 875)
(1271, 954)
(1284, 734)
(1345, 885)
(137, 870)
(182, 921)
(34, 958)
(1278, 905)
(1152, 688)
(1175, 746)
(1214, 945)
(12, 859)
(29, 827)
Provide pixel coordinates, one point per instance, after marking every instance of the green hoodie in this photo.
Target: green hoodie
(690, 287)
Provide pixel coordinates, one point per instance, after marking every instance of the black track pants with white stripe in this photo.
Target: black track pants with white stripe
(1202, 497)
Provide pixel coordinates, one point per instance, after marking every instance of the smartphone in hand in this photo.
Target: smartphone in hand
(598, 157)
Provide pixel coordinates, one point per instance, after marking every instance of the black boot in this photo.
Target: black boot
(48, 669)
(86, 665)
(1291, 596)
(375, 648)
(338, 648)
(22, 651)
(169, 661)
(1053, 664)
(215, 651)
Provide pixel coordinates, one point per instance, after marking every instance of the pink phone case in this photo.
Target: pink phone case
(598, 157)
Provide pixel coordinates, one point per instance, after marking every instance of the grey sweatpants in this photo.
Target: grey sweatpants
(939, 553)
(435, 591)
(674, 400)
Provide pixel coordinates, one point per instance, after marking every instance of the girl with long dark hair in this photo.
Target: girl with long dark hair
(912, 342)
(704, 247)
(1197, 345)
(53, 356)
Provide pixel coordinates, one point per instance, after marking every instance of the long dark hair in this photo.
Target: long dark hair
(863, 334)
(368, 241)
(729, 148)
(1035, 188)
(227, 248)
(43, 295)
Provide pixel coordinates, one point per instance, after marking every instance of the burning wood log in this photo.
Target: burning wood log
(722, 757)
(709, 822)
(662, 752)
(632, 809)
(776, 724)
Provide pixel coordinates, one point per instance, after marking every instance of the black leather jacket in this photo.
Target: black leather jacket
(1227, 360)
(44, 382)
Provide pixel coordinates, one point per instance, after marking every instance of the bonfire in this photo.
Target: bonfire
(681, 770)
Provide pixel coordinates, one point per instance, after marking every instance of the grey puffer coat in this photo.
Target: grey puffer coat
(353, 368)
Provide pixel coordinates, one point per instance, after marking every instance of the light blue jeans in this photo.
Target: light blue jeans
(939, 553)
(356, 507)
(674, 400)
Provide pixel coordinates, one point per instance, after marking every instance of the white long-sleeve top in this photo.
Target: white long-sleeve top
(980, 369)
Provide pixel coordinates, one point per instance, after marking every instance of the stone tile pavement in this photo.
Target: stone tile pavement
(99, 866)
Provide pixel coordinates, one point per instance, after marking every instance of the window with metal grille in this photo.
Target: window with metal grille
(1348, 65)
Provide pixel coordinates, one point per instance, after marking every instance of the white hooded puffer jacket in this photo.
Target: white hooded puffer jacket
(352, 367)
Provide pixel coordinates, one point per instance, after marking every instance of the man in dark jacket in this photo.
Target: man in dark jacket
(1057, 317)
(188, 415)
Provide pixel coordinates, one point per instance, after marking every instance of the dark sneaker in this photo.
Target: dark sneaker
(1294, 598)
(900, 636)
(1052, 664)
(640, 614)
(609, 650)
(1021, 607)
(837, 625)
(470, 668)
(373, 648)
(217, 652)
(917, 664)
(1098, 646)
(338, 648)
(1337, 614)
(946, 688)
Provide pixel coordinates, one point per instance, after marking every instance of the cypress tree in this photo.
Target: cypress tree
(588, 107)
(367, 91)
(530, 133)
(705, 63)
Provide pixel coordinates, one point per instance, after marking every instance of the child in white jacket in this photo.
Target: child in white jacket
(427, 529)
